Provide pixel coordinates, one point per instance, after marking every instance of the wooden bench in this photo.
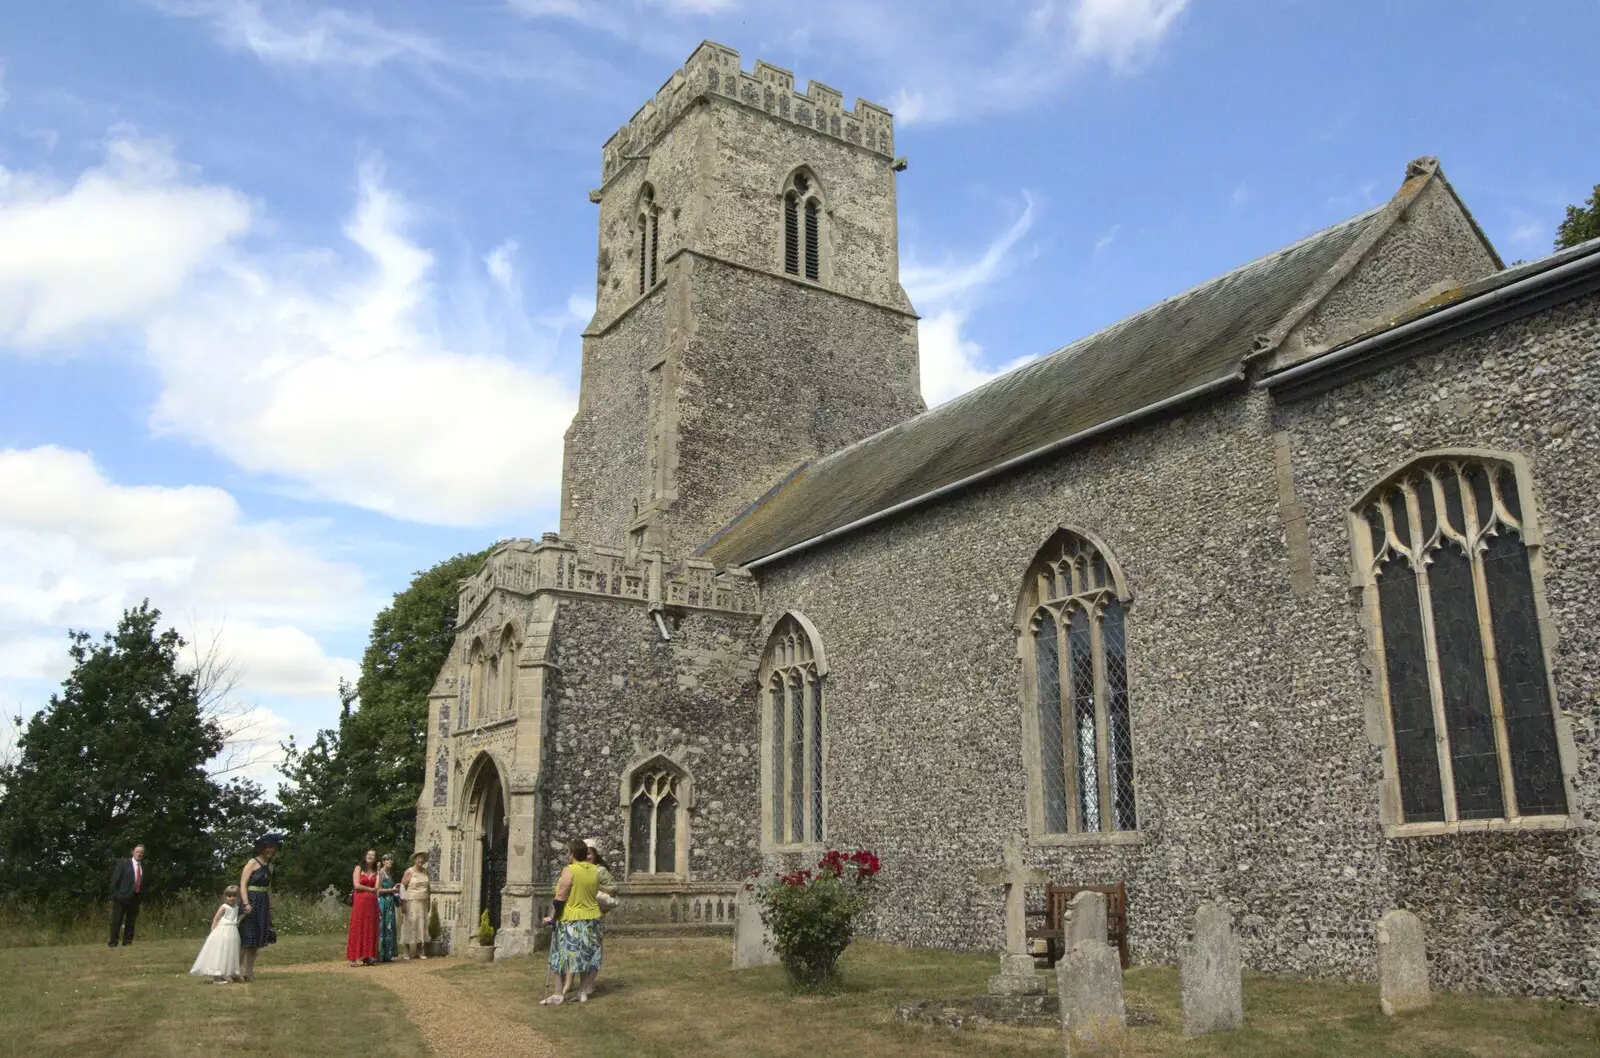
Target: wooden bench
(1058, 908)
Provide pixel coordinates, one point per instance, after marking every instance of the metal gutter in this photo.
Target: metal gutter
(1149, 410)
(1529, 294)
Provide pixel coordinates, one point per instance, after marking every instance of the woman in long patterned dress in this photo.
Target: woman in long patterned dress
(387, 892)
(415, 888)
(575, 939)
(361, 944)
(255, 914)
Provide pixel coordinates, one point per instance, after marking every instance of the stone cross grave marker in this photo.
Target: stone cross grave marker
(1016, 976)
(329, 904)
(1402, 964)
(1208, 972)
(1094, 1020)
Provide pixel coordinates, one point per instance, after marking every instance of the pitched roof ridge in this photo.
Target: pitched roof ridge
(1419, 173)
(1079, 344)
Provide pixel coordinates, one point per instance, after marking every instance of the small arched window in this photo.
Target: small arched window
(802, 226)
(1075, 663)
(1447, 552)
(656, 800)
(793, 721)
(506, 689)
(647, 231)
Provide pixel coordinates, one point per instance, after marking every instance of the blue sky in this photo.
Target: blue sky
(290, 292)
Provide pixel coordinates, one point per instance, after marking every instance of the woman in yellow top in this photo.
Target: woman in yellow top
(575, 941)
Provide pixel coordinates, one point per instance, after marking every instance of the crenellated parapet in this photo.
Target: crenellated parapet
(551, 564)
(713, 70)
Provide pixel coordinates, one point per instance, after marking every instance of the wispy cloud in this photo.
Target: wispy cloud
(1240, 196)
(947, 294)
(1104, 242)
(295, 34)
(1530, 233)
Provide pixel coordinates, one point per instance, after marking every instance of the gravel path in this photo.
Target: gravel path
(451, 1019)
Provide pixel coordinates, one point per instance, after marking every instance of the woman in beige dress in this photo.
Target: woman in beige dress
(414, 892)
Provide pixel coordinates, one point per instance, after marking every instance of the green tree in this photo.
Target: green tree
(356, 786)
(117, 758)
(1582, 223)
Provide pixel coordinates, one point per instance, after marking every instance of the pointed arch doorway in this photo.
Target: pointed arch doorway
(491, 836)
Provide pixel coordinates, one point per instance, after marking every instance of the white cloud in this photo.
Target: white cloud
(1240, 196)
(343, 378)
(951, 363)
(1122, 31)
(297, 34)
(1529, 234)
(502, 267)
(1102, 244)
(129, 234)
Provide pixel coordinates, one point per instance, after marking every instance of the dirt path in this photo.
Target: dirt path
(453, 1020)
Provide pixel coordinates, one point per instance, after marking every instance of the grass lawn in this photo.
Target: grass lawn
(679, 997)
(87, 1000)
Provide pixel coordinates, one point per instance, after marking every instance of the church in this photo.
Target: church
(1280, 593)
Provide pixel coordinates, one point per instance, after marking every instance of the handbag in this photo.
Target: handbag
(606, 901)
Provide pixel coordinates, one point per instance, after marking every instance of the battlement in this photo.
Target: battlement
(552, 564)
(713, 70)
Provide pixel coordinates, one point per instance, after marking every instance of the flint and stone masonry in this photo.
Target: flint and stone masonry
(789, 609)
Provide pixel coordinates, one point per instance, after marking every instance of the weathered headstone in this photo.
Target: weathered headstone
(1402, 964)
(1017, 976)
(1088, 921)
(329, 904)
(752, 940)
(1209, 974)
(1093, 1018)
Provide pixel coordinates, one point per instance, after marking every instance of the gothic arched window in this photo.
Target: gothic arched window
(477, 680)
(793, 720)
(646, 230)
(1447, 552)
(802, 226)
(1075, 666)
(656, 798)
(506, 687)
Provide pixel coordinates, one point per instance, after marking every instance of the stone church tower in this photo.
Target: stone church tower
(749, 319)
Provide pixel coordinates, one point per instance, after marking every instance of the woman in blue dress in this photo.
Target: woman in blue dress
(387, 892)
(255, 913)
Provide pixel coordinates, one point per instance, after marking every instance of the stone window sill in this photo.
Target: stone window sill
(808, 849)
(1481, 826)
(1116, 837)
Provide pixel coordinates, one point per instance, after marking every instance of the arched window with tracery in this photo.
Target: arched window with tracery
(793, 722)
(803, 211)
(1075, 663)
(1447, 551)
(656, 798)
(647, 231)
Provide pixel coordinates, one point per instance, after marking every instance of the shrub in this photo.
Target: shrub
(433, 922)
(812, 913)
(485, 931)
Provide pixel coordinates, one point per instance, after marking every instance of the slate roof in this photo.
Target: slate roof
(1199, 336)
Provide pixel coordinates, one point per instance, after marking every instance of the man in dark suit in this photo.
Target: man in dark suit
(127, 887)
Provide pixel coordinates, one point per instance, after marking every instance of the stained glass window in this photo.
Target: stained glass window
(1451, 576)
(793, 728)
(1081, 704)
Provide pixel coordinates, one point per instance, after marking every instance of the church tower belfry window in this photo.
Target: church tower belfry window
(1072, 623)
(647, 230)
(793, 726)
(1449, 558)
(802, 226)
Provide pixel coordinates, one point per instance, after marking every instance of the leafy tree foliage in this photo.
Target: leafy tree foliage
(356, 786)
(1582, 223)
(118, 758)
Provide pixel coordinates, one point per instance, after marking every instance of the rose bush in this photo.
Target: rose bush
(812, 913)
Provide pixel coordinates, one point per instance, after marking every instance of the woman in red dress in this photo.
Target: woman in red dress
(362, 944)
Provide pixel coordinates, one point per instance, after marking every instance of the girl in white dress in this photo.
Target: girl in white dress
(219, 957)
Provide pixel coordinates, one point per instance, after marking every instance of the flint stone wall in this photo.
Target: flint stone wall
(1257, 779)
(623, 694)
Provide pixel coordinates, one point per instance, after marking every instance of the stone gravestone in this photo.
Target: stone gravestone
(329, 904)
(752, 940)
(1089, 982)
(1209, 974)
(1402, 964)
(1016, 976)
(1088, 921)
